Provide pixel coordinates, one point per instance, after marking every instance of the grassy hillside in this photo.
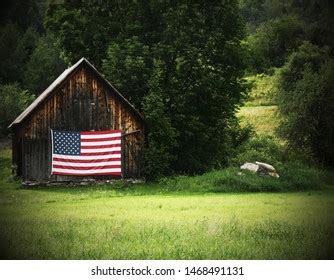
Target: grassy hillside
(262, 118)
(260, 109)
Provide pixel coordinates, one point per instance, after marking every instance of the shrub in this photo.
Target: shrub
(264, 88)
(260, 148)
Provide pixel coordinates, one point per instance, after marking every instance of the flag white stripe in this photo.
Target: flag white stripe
(107, 135)
(100, 143)
(87, 157)
(86, 164)
(73, 171)
(102, 150)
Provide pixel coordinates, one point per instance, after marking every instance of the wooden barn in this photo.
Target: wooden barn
(80, 99)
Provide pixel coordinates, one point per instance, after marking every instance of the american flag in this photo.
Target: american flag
(86, 153)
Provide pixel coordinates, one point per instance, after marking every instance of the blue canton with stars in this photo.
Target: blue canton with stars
(66, 143)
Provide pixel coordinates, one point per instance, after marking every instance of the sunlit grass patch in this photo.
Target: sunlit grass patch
(262, 118)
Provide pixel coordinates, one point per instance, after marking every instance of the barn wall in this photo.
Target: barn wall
(82, 102)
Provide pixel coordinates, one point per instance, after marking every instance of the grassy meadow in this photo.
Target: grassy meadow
(152, 221)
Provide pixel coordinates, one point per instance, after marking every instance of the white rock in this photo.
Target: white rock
(250, 166)
(260, 168)
(266, 166)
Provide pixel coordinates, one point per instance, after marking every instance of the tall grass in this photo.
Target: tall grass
(175, 226)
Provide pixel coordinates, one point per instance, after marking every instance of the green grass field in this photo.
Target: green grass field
(147, 222)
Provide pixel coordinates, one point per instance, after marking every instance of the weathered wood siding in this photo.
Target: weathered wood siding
(82, 102)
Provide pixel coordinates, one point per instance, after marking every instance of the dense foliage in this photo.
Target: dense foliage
(161, 134)
(293, 50)
(43, 65)
(306, 102)
(273, 41)
(180, 61)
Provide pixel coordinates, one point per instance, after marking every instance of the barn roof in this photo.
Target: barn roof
(62, 77)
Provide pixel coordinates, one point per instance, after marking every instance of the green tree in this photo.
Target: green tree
(256, 12)
(84, 28)
(128, 65)
(273, 41)
(161, 136)
(202, 72)
(15, 48)
(13, 100)
(306, 102)
(13, 53)
(43, 66)
(25, 14)
(318, 16)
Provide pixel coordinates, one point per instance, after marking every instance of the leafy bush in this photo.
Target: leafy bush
(264, 88)
(260, 148)
(13, 100)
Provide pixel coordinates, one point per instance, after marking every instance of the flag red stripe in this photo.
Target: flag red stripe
(86, 168)
(101, 146)
(85, 160)
(101, 139)
(85, 174)
(100, 132)
(101, 154)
